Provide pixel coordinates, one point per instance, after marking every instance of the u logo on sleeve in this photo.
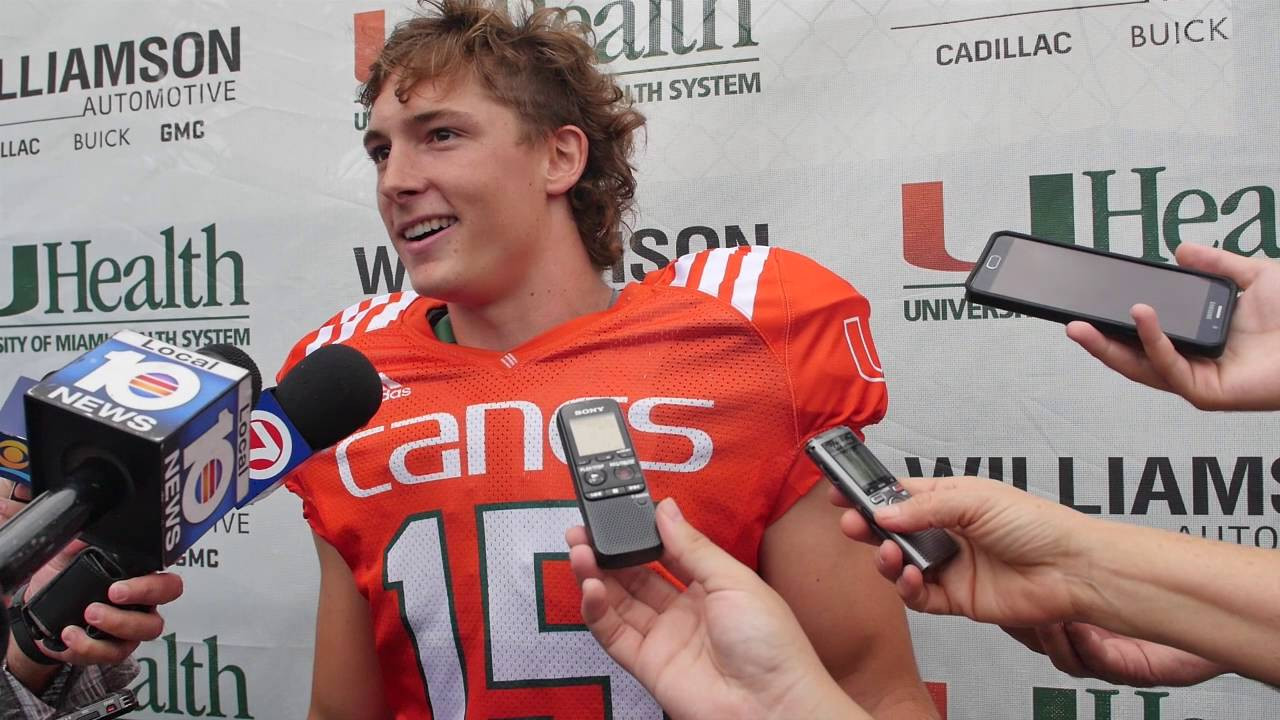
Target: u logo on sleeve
(863, 352)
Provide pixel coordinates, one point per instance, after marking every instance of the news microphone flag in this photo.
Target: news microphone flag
(15, 461)
(275, 448)
(173, 422)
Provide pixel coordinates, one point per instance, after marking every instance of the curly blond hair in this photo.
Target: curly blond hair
(545, 69)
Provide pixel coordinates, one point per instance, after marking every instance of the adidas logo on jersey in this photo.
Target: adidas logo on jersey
(392, 390)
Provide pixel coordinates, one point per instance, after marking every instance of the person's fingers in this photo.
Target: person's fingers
(595, 602)
(576, 535)
(949, 507)
(1025, 635)
(583, 562)
(889, 560)
(1163, 358)
(13, 490)
(637, 594)
(1089, 645)
(84, 650)
(1241, 269)
(1057, 646)
(154, 589)
(857, 528)
(1084, 334)
(607, 625)
(691, 556)
(1116, 355)
(837, 498)
(124, 624)
(9, 508)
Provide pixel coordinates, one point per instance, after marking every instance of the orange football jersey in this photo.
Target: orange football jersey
(451, 505)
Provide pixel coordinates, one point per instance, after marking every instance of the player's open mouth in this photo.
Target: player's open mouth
(427, 228)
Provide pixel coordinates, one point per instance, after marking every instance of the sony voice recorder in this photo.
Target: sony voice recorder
(859, 476)
(612, 494)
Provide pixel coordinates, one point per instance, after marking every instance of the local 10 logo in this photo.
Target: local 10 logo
(195, 404)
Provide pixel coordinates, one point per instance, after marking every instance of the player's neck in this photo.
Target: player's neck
(565, 289)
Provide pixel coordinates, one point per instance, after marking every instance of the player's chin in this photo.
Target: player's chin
(428, 280)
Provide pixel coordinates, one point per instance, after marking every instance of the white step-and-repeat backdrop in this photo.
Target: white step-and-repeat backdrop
(194, 171)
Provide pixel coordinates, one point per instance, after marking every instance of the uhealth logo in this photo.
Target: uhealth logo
(170, 279)
(1243, 219)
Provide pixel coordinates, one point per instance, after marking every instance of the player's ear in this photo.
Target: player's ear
(566, 158)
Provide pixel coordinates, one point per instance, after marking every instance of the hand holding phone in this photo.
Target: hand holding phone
(868, 484)
(612, 493)
(1244, 377)
(1050, 280)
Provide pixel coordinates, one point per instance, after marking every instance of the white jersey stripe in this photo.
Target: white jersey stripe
(351, 318)
(683, 266)
(360, 308)
(349, 327)
(391, 312)
(713, 271)
(744, 288)
(322, 338)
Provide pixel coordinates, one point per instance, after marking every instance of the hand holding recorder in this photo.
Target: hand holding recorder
(1163, 608)
(725, 646)
(126, 627)
(1245, 377)
(1015, 563)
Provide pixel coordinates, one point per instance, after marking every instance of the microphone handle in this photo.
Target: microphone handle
(35, 535)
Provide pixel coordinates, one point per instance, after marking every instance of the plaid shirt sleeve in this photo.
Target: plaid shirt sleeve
(71, 688)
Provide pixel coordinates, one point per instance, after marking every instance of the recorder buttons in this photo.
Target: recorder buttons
(610, 475)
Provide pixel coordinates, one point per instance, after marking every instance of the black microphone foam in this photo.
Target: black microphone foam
(235, 356)
(330, 394)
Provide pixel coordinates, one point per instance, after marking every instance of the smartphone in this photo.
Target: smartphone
(1049, 280)
(862, 478)
(114, 705)
(612, 494)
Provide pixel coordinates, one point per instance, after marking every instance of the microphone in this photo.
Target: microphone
(328, 395)
(137, 444)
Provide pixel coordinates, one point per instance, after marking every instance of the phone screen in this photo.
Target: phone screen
(1089, 284)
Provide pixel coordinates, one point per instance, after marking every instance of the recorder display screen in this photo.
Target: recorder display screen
(1088, 284)
(595, 434)
(860, 464)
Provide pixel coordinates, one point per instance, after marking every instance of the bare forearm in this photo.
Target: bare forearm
(34, 676)
(904, 706)
(1214, 599)
(820, 699)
